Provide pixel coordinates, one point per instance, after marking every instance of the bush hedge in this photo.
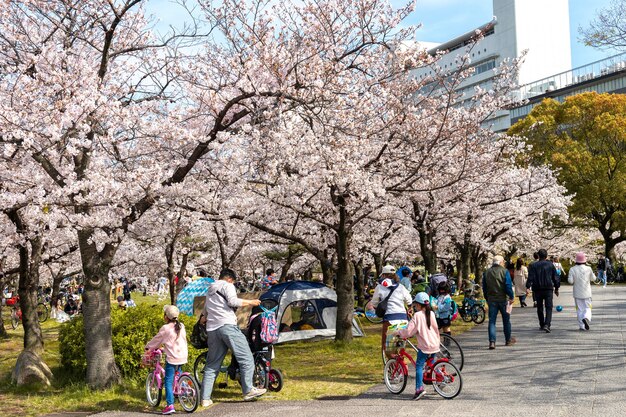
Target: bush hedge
(131, 330)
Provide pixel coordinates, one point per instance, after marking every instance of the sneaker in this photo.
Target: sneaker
(542, 328)
(168, 410)
(511, 341)
(586, 323)
(419, 394)
(492, 345)
(254, 392)
(547, 329)
(207, 403)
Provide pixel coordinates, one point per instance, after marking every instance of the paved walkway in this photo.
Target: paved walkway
(565, 373)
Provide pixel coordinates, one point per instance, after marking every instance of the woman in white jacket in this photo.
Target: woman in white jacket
(581, 277)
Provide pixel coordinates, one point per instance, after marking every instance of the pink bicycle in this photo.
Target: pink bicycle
(185, 386)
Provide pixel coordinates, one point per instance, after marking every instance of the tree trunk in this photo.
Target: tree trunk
(378, 263)
(479, 261)
(56, 288)
(360, 283)
(101, 368)
(328, 271)
(428, 248)
(182, 272)
(29, 281)
(3, 331)
(464, 262)
(30, 367)
(345, 293)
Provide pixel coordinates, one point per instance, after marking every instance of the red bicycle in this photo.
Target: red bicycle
(442, 374)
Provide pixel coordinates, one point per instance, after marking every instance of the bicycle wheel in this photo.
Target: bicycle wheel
(198, 368)
(478, 314)
(371, 316)
(451, 350)
(153, 391)
(395, 376)
(275, 380)
(42, 312)
(15, 319)
(466, 314)
(447, 379)
(259, 377)
(189, 393)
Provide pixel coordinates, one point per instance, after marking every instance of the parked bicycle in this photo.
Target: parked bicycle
(472, 308)
(16, 312)
(444, 375)
(186, 388)
(264, 375)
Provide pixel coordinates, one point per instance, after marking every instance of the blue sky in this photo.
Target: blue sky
(443, 20)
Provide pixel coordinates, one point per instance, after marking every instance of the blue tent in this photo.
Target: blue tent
(306, 310)
(194, 289)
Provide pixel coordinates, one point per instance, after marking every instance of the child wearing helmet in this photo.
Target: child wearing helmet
(173, 337)
(424, 325)
(443, 306)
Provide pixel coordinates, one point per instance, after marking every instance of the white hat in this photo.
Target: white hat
(388, 269)
(171, 312)
(497, 260)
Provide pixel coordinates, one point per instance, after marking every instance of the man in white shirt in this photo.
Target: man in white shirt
(223, 334)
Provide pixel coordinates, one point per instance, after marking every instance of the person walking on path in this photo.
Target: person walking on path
(399, 298)
(603, 266)
(530, 266)
(543, 280)
(581, 276)
(520, 278)
(223, 334)
(498, 290)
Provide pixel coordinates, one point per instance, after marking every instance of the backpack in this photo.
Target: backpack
(269, 328)
(381, 308)
(198, 337)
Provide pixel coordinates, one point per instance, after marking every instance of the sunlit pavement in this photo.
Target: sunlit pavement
(565, 373)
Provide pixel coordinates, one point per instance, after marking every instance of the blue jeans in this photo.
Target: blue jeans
(494, 307)
(170, 370)
(219, 341)
(602, 276)
(419, 368)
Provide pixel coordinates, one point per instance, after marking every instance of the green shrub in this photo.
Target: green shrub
(131, 330)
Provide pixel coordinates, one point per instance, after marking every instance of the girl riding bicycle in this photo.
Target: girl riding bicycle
(173, 337)
(424, 324)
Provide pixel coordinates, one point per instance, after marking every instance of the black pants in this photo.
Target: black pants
(544, 296)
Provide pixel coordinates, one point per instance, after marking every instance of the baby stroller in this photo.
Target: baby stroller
(263, 353)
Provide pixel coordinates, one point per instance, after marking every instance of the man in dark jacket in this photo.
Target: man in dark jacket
(498, 290)
(543, 280)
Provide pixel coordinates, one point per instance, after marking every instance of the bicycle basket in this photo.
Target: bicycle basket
(394, 344)
(150, 359)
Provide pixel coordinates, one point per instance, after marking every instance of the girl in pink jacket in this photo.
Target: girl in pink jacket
(424, 325)
(173, 337)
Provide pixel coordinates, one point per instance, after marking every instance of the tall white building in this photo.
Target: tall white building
(540, 27)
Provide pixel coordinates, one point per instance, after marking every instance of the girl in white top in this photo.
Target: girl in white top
(581, 277)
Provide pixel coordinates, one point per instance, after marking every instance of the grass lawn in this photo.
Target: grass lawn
(311, 370)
